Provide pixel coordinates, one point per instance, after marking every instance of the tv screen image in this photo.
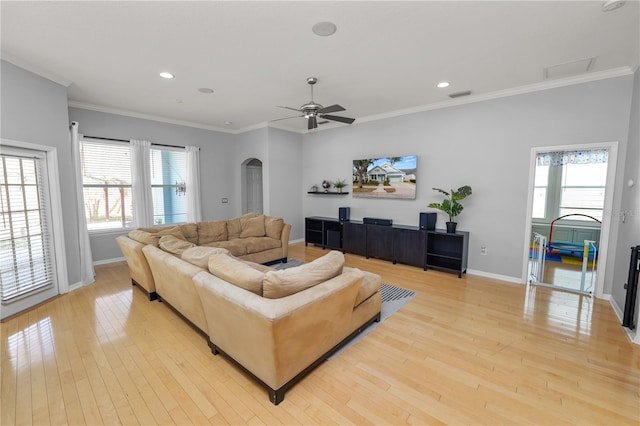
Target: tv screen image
(385, 177)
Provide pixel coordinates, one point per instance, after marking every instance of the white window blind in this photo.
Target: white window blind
(168, 172)
(106, 180)
(26, 261)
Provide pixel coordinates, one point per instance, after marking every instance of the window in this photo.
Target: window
(582, 190)
(106, 181)
(107, 184)
(570, 182)
(26, 259)
(168, 170)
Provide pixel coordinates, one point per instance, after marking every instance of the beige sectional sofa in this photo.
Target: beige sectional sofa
(277, 325)
(253, 237)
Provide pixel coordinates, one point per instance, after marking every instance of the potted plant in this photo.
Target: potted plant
(451, 206)
(339, 184)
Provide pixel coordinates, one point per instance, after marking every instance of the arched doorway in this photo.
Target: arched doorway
(252, 186)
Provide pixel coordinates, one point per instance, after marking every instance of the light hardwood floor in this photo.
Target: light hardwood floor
(470, 350)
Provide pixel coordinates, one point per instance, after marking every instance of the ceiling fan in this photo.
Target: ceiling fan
(312, 111)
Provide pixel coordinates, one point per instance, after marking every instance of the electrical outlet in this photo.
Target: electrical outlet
(483, 250)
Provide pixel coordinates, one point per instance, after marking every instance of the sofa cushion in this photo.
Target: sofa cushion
(273, 227)
(234, 228)
(283, 283)
(257, 266)
(144, 237)
(259, 244)
(199, 255)
(173, 245)
(236, 272)
(190, 232)
(237, 247)
(212, 231)
(252, 227)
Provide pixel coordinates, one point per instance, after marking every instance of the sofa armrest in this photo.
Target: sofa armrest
(174, 284)
(284, 238)
(138, 266)
(276, 339)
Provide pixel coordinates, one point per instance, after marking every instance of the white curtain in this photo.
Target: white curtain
(194, 207)
(141, 183)
(87, 273)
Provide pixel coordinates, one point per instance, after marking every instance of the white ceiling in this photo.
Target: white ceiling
(385, 58)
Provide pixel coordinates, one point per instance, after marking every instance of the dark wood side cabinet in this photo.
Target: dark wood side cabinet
(323, 231)
(398, 243)
(448, 252)
(409, 245)
(354, 238)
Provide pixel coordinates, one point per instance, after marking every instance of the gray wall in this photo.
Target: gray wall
(35, 110)
(215, 150)
(486, 145)
(629, 231)
(280, 152)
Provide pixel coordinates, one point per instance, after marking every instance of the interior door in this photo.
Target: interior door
(27, 263)
(254, 189)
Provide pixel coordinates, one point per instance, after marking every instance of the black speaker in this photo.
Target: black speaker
(344, 213)
(377, 221)
(428, 221)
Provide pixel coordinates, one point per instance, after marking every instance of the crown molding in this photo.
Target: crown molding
(551, 84)
(536, 87)
(35, 69)
(127, 113)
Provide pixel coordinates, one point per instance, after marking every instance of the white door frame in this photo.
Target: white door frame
(612, 147)
(57, 227)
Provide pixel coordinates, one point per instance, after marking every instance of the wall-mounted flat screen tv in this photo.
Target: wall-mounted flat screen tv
(385, 177)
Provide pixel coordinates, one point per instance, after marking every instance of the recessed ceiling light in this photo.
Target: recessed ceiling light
(228, 123)
(205, 90)
(324, 29)
(610, 5)
(443, 84)
(165, 74)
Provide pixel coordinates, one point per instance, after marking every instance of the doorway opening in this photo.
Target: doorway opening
(252, 199)
(570, 191)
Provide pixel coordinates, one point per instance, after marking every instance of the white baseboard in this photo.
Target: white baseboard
(633, 336)
(74, 286)
(107, 261)
(515, 280)
(299, 240)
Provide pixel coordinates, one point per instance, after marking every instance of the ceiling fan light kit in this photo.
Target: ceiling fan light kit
(312, 110)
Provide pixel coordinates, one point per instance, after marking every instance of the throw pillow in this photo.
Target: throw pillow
(236, 272)
(199, 256)
(233, 225)
(283, 283)
(273, 227)
(174, 245)
(252, 227)
(212, 231)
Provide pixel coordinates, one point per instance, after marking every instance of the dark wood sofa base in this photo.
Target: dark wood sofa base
(273, 262)
(276, 396)
(152, 296)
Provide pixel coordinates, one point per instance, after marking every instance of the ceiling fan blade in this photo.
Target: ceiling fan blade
(313, 123)
(331, 108)
(338, 118)
(286, 118)
(286, 107)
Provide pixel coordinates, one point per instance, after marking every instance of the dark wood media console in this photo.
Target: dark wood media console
(398, 243)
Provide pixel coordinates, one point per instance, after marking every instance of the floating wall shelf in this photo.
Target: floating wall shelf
(326, 193)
